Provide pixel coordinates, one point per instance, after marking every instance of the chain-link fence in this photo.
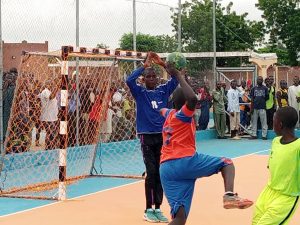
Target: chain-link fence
(101, 137)
(101, 111)
(100, 21)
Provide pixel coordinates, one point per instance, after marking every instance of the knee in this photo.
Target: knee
(227, 162)
(180, 216)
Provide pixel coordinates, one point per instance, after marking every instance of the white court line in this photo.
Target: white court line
(57, 202)
(81, 196)
(254, 153)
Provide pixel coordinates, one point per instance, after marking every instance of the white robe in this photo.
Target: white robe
(293, 92)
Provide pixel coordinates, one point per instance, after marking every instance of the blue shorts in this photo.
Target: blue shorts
(178, 178)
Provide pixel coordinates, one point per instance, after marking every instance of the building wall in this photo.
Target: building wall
(284, 73)
(12, 52)
(288, 73)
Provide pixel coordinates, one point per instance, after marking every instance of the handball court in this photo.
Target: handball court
(121, 201)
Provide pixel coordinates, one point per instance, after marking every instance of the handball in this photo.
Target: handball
(177, 59)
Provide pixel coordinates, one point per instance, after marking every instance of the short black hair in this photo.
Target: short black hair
(149, 70)
(178, 98)
(288, 117)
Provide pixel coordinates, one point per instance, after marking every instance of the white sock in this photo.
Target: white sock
(230, 193)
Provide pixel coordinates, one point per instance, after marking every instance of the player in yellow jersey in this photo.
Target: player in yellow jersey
(280, 198)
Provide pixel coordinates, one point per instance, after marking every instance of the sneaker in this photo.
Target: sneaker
(160, 216)
(264, 138)
(253, 138)
(219, 137)
(236, 138)
(235, 202)
(150, 216)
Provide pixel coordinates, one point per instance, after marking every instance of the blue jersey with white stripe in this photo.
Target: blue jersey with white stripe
(149, 103)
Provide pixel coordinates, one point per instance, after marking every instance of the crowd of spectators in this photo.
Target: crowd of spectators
(107, 112)
(243, 108)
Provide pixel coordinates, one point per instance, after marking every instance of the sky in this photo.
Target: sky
(101, 21)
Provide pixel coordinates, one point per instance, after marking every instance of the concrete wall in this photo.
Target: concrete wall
(12, 52)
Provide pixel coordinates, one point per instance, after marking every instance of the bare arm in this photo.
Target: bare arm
(191, 98)
(278, 97)
(53, 93)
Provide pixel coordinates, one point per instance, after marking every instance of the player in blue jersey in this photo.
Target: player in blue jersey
(149, 100)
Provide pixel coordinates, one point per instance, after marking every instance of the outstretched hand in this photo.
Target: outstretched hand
(152, 57)
(157, 60)
(147, 62)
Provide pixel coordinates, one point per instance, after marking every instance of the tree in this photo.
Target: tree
(234, 32)
(281, 52)
(147, 42)
(283, 24)
(102, 45)
(167, 43)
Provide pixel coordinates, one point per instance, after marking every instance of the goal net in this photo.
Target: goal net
(74, 106)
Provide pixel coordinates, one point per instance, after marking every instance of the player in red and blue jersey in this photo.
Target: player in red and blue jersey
(149, 100)
(181, 165)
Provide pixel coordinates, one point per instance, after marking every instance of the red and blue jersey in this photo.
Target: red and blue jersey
(178, 134)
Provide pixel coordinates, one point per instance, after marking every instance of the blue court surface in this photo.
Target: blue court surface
(206, 143)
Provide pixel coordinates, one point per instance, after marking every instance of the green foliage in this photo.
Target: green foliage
(281, 51)
(147, 42)
(283, 24)
(233, 32)
(102, 45)
(167, 43)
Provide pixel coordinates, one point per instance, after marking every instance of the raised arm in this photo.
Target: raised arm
(171, 85)
(191, 98)
(131, 79)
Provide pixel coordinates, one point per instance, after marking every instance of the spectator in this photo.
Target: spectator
(197, 111)
(9, 85)
(106, 126)
(244, 107)
(35, 109)
(117, 119)
(282, 95)
(95, 118)
(219, 110)
(233, 96)
(129, 116)
(87, 98)
(271, 102)
(49, 113)
(205, 104)
(72, 116)
(21, 127)
(226, 106)
(259, 95)
(294, 96)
